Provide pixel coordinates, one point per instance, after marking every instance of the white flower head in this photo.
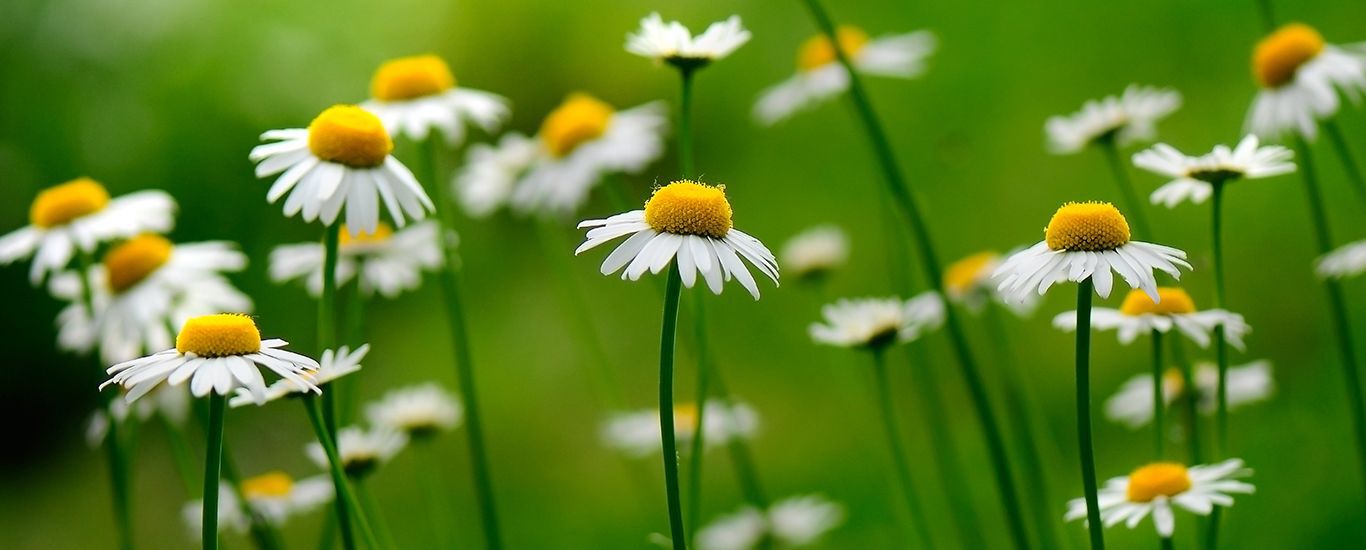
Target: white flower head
(878, 322)
(413, 95)
(1300, 77)
(1348, 260)
(815, 252)
(170, 402)
(333, 365)
(971, 282)
(491, 172)
(1141, 315)
(637, 433)
(794, 522)
(1194, 177)
(275, 496)
(419, 411)
(674, 44)
(386, 261)
(1132, 405)
(1157, 488)
(1128, 118)
(361, 451)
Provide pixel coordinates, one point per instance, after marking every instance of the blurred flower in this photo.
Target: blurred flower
(674, 44)
(792, 522)
(342, 159)
(637, 433)
(414, 94)
(1300, 76)
(820, 76)
(1154, 488)
(1140, 315)
(387, 261)
(144, 286)
(1087, 239)
(969, 282)
(217, 353)
(361, 450)
(687, 220)
(333, 365)
(77, 216)
(1348, 260)
(491, 172)
(1129, 118)
(419, 411)
(274, 495)
(878, 322)
(1196, 176)
(171, 402)
(815, 252)
(1132, 405)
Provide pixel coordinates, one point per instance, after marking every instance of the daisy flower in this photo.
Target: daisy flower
(361, 450)
(342, 159)
(815, 252)
(1346, 261)
(419, 411)
(172, 403)
(637, 433)
(820, 76)
(1129, 118)
(1132, 405)
(793, 522)
(1140, 315)
(1195, 177)
(674, 44)
(413, 95)
(215, 353)
(77, 216)
(969, 282)
(491, 172)
(274, 495)
(334, 364)
(388, 262)
(1300, 76)
(1087, 240)
(875, 323)
(1155, 488)
(687, 220)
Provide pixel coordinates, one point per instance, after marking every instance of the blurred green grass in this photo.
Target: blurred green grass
(143, 94)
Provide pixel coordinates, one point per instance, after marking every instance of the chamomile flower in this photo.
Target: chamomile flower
(1300, 76)
(1156, 488)
(77, 216)
(637, 433)
(815, 252)
(970, 282)
(491, 172)
(793, 522)
(1348, 260)
(1195, 177)
(274, 495)
(419, 411)
(413, 95)
(341, 160)
(215, 353)
(170, 402)
(1132, 405)
(674, 44)
(361, 450)
(878, 322)
(1140, 315)
(1128, 118)
(1087, 240)
(689, 221)
(820, 76)
(333, 365)
(386, 261)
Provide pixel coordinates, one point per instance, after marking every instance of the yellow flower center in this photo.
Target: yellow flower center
(267, 485)
(411, 78)
(685, 418)
(964, 274)
(1159, 479)
(362, 239)
(689, 208)
(1279, 55)
(1087, 226)
(579, 119)
(1175, 301)
(350, 135)
(60, 204)
(1173, 382)
(818, 52)
(129, 263)
(219, 335)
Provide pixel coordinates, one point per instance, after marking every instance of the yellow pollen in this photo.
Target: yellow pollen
(685, 417)
(381, 235)
(964, 274)
(1279, 55)
(1159, 479)
(132, 261)
(1087, 226)
(1175, 301)
(411, 78)
(689, 208)
(62, 203)
(267, 485)
(817, 52)
(219, 335)
(579, 119)
(350, 135)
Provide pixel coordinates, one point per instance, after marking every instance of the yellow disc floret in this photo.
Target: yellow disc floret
(1279, 55)
(689, 208)
(1087, 226)
(132, 261)
(411, 78)
(1174, 301)
(267, 485)
(59, 204)
(219, 335)
(1159, 479)
(817, 51)
(964, 274)
(363, 239)
(350, 135)
(579, 119)
(1173, 383)
(685, 418)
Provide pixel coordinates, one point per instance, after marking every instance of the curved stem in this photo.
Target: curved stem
(116, 452)
(1220, 341)
(698, 444)
(1188, 398)
(262, 532)
(947, 460)
(667, 339)
(1268, 16)
(1344, 151)
(745, 470)
(372, 510)
(1159, 398)
(349, 507)
(1094, 526)
(1133, 206)
(213, 461)
(327, 336)
(882, 387)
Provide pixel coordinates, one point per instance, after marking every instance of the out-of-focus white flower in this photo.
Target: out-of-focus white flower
(793, 523)
(878, 322)
(815, 252)
(413, 95)
(1128, 118)
(388, 262)
(637, 433)
(673, 43)
(419, 411)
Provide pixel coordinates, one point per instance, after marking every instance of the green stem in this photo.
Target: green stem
(1189, 402)
(1165, 543)
(180, 454)
(1133, 206)
(432, 483)
(667, 337)
(945, 452)
(685, 146)
(213, 461)
(1268, 16)
(327, 303)
(349, 508)
(1159, 398)
(698, 443)
(262, 532)
(372, 510)
(1344, 152)
(745, 470)
(116, 452)
(1094, 526)
(882, 387)
(1220, 341)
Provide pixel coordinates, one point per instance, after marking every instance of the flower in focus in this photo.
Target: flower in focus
(1348, 260)
(387, 261)
(342, 159)
(689, 221)
(637, 433)
(1155, 488)
(1300, 76)
(793, 522)
(1129, 118)
(875, 323)
(333, 365)
(970, 282)
(674, 44)
(812, 254)
(1195, 177)
(413, 95)
(1140, 314)
(361, 450)
(275, 496)
(820, 76)
(77, 216)
(419, 411)
(1132, 405)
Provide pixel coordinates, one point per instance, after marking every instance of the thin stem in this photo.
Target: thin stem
(372, 510)
(1133, 206)
(432, 482)
(349, 507)
(947, 461)
(327, 303)
(1268, 16)
(262, 532)
(116, 452)
(743, 460)
(1159, 397)
(1188, 399)
(685, 145)
(1088, 459)
(213, 461)
(1220, 341)
(882, 387)
(667, 339)
(180, 454)
(698, 443)
(1344, 152)
(1165, 543)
